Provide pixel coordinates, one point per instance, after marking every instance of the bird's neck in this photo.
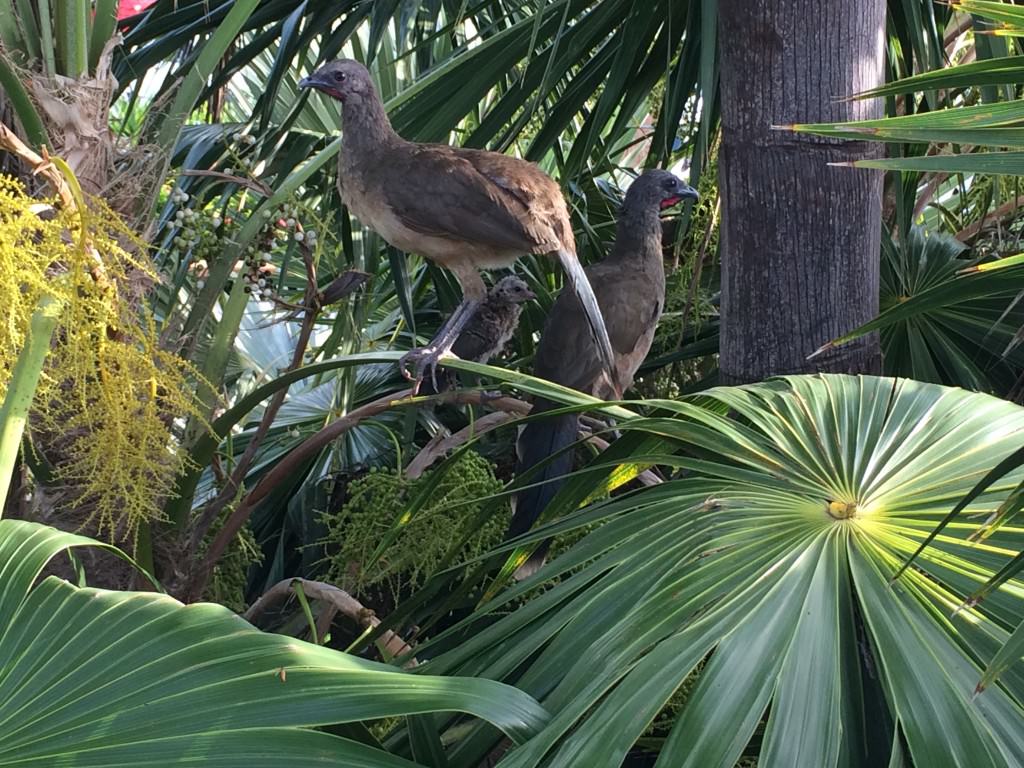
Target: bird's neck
(366, 124)
(638, 235)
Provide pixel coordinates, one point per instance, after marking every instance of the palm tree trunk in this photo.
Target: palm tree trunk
(800, 238)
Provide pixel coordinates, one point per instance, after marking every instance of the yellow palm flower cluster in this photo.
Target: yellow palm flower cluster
(106, 407)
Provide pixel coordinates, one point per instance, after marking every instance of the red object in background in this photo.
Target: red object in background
(129, 8)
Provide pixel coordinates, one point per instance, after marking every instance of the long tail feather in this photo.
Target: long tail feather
(539, 441)
(581, 287)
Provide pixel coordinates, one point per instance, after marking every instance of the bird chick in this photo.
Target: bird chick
(488, 330)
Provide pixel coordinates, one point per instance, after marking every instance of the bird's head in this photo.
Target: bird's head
(512, 290)
(344, 80)
(658, 189)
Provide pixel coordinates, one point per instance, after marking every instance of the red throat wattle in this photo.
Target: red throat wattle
(668, 202)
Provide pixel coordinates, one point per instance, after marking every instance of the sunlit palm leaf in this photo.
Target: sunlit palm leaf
(96, 678)
(774, 557)
(986, 125)
(1009, 17)
(990, 72)
(943, 321)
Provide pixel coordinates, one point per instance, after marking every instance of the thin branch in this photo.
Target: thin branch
(287, 466)
(928, 193)
(41, 166)
(958, 24)
(228, 493)
(346, 283)
(390, 644)
(1000, 213)
(442, 445)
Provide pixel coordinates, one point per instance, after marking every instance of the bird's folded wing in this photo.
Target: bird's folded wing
(635, 312)
(634, 307)
(445, 192)
(475, 344)
(568, 354)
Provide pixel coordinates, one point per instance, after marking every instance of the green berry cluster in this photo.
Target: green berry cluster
(258, 269)
(200, 234)
(230, 577)
(380, 500)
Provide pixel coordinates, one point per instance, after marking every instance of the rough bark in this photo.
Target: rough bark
(800, 238)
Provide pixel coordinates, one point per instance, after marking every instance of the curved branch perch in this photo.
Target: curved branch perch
(390, 644)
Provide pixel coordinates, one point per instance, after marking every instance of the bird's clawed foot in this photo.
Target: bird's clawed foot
(416, 363)
(426, 358)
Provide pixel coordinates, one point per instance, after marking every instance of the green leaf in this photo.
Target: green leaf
(47, 40)
(1004, 163)
(935, 712)
(1008, 655)
(104, 23)
(773, 554)
(1009, 69)
(989, 124)
(993, 10)
(134, 679)
(738, 683)
(10, 35)
(960, 284)
(27, 18)
(77, 54)
(808, 701)
(187, 94)
(21, 388)
(26, 111)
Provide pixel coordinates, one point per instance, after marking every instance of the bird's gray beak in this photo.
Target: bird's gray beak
(685, 193)
(318, 82)
(314, 81)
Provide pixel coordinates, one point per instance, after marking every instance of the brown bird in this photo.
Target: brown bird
(488, 330)
(630, 288)
(465, 209)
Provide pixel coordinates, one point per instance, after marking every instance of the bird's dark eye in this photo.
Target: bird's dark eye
(670, 184)
(339, 77)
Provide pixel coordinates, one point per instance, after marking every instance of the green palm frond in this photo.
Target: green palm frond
(769, 564)
(945, 319)
(90, 677)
